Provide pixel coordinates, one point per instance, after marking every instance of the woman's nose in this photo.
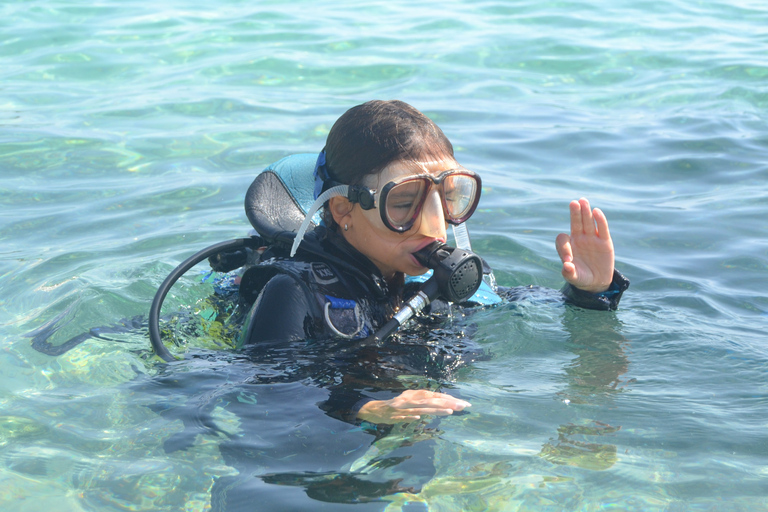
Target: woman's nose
(432, 221)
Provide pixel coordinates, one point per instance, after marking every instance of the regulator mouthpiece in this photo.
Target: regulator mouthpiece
(457, 272)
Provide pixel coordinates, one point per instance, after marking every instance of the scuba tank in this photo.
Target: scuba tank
(456, 276)
(274, 205)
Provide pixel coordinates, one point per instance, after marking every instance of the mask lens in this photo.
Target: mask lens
(404, 202)
(459, 193)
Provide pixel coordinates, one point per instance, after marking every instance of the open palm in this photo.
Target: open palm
(587, 253)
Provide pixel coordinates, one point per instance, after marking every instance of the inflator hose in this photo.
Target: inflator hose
(154, 312)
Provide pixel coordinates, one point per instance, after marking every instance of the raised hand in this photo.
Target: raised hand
(587, 254)
(410, 405)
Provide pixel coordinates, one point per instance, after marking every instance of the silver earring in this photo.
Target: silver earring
(346, 227)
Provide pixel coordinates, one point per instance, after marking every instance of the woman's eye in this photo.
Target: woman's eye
(452, 195)
(403, 205)
(402, 200)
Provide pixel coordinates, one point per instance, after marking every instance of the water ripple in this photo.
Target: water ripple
(129, 134)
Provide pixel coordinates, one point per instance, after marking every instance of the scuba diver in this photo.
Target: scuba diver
(349, 246)
(388, 185)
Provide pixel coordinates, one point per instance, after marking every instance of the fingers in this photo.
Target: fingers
(430, 400)
(576, 224)
(426, 411)
(585, 220)
(582, 221)
(405, 418)
(569, 272)
(565, 251)
(602, 224)
(412, 404)
(587, 254)
(563, 246)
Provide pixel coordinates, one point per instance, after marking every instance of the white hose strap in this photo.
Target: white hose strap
(461, 235)
(338, 190)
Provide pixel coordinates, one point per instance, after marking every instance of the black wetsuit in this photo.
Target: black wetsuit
(330, 291)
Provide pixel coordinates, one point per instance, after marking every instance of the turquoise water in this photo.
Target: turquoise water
(129, 132)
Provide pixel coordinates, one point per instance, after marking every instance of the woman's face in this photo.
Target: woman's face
(390, 251)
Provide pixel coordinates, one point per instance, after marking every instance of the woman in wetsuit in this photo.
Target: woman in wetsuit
(402, 187)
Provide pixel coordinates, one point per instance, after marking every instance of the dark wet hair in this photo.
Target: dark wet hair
(369, 137)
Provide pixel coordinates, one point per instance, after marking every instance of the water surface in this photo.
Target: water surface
(129, 133)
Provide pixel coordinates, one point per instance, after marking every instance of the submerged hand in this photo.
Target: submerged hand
(587, 253)
(410, 405)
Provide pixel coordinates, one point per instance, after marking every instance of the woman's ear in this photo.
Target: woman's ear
(340, 208)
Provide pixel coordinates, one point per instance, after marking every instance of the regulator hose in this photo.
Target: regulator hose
(154, 312)
(457, 274)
